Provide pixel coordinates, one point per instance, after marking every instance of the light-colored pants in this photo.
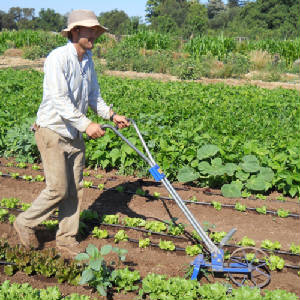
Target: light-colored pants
(63, 163)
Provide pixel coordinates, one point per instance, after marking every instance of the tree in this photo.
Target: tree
(164, 24)
(214, 7)
(196, 20)
(117, 21)
(232, 3)
(49, 20)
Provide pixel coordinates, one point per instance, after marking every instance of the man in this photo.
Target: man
(70, 85)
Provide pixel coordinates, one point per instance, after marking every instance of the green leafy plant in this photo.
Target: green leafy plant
(27, 177)
(282, 213)
(99, 233)
(87, 184)
(11, 218)
(275, 262)
(240, 207)
(295, 249)
(110, 219)
(88, 215)
(156, 195)
(140, 192)
(134, 222)
(125, 280)
(217, 236)
(120, 188)
(9, 202)
(144, 243)
(262, 210)
(97, 273)
(21, 165)
(166, 245)
(35, 167)
(246, 242)
(267, 244)
(39, 178)
(193, 250)
(50, 224)
(155, 226)
(217, 205)
(99, 176)
(100, 186)
(3, 214)
(121, 236)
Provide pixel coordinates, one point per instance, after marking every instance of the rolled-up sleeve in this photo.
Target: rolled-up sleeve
(56, 83)
(96, 102)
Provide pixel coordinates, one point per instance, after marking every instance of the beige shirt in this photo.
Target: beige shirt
(69, 88)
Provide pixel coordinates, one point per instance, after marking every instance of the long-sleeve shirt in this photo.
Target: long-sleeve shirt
(70, 86)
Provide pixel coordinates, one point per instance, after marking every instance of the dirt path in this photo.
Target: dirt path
(13, 60)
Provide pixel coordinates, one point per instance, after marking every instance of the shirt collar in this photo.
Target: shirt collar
(73, 50)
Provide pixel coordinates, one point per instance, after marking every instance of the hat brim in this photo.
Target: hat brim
(101, 29)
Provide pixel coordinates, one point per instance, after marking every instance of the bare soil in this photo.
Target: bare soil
(152, 259)
(12, 59)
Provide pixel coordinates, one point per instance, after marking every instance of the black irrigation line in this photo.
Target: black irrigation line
(183, 249)
(210, 193)
(90, 222)
(291, 215)
(176, 247)
(207, 192)
(160, 233)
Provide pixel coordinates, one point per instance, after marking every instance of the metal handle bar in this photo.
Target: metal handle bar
(208, 242)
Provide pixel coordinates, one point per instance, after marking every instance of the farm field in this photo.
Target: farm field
(199, 134)
(109, 201)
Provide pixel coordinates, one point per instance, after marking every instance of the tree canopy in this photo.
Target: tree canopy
(185, 18)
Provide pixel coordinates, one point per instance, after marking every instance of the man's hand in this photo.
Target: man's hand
(94, 131)
(121, 121)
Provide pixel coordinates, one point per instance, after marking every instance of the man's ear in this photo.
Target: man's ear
(74, 34)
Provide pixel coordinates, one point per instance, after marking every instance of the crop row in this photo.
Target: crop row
(165, 229)
(217, 46)
(92, 269)
(241, 126)
(87, 173)
(282, 213)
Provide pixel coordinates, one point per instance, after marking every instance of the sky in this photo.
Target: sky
(131, 7)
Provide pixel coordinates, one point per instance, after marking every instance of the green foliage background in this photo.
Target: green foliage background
(176, 120)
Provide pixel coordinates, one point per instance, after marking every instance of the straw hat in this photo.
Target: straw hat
(83, 17)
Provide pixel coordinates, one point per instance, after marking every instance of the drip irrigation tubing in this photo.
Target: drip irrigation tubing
(207, 192)
(291, 215)
(90, 222)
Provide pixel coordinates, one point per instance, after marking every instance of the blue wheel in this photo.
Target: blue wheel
(255, 260)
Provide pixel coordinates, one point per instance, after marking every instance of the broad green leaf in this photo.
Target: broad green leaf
(203, 166)
(187, 174)
(92, 251)
(105, 249)
(95, 264)
(87, 275)
(241, 175)
(266, 173)
(256, 183)
(250, 164)
(81, 256)
(215, 170)
(230, 168)
(101, 290)
(217, 162)
(207, 151)
(232, 190)
(115, 154)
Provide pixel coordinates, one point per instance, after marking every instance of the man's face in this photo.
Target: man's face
(86, 37)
